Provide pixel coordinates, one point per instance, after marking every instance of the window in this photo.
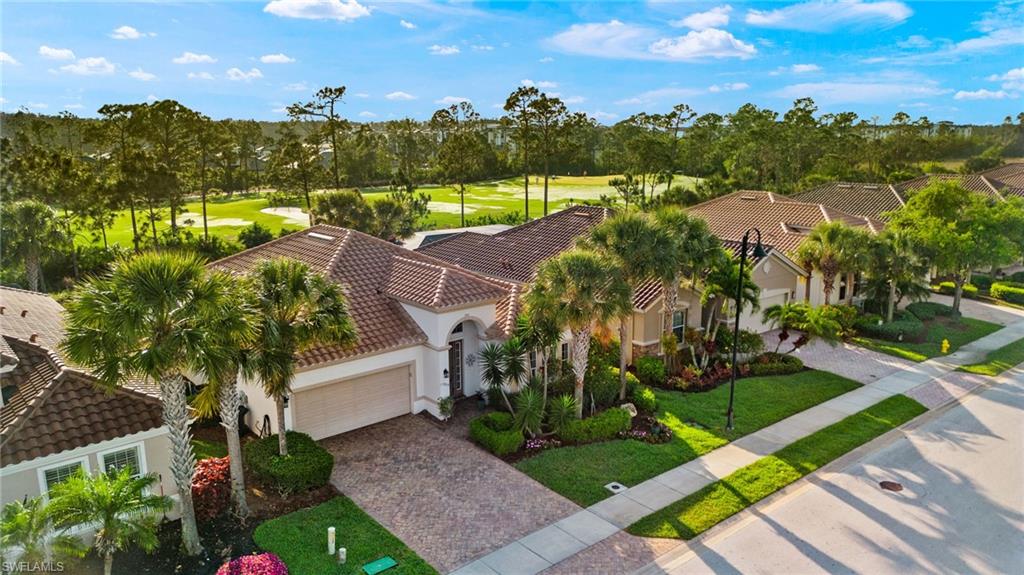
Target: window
(56, 475)
(533, 362)
(457, 328)
(118, 460)
(565, 351)
(679, 325)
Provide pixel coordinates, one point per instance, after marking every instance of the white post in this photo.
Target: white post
(342, 555)
(330, 541)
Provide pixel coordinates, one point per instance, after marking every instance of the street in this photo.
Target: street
(961, 509)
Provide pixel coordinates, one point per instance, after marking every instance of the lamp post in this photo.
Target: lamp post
(758, 253)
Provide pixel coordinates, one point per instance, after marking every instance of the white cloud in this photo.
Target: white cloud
(915, 41)
(805, 68)
(982, 94)
(713, 18)
(343, 10)
(574, 100)
(56, 53)
(709, 43)
(93, 66)
(193, 58)
(407, 24)
(367, 114)
(482, 47)
(992, 41)
(361, 95)
(73, 106)
(653, 96)
(37, 105)
(3, 101)
(6, 58)
(728, 87)
(546, 60)
(603, 116)
(438, 50)
(449, 100)
(152, 98)
(613, 39)
(845, 92)
(296, 87)
(545, 84)
(239, 75)
(276, 59)
(399, 96)
(828, 15)
(1012, 80)
(200, 76)
(126, 33)
(140, 74)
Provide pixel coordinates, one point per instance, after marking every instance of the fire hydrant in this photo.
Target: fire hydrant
(945, 346)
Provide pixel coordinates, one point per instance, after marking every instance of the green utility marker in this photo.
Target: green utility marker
(380, 565)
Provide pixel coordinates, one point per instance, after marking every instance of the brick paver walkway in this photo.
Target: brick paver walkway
(443, 496)
(845, 359)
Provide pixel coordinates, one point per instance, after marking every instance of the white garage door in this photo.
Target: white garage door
(752, 319)
(353, 403)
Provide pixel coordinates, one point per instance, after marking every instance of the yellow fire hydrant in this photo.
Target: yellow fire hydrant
(945, 346)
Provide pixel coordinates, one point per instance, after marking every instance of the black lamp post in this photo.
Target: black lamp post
(758, 253)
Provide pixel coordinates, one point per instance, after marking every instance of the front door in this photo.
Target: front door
(455, 368)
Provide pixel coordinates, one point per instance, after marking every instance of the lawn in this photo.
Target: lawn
(703, 509)
(999, 360)
(697, 421)
(300, 540)
(958, 332)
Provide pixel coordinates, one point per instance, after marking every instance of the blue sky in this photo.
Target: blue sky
(962, 61)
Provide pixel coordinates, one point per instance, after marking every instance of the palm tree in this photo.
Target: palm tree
(31, 229)
(298, 310)
(155, 316)
(895, 261)
(582, 290)
(719, 287)
(26, 530)
(537, 330)
(784, 317)
(492, 362)
(119, 505)
(811, 322)
(829, 249)
(638, 245)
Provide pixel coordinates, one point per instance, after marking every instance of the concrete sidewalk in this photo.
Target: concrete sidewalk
(557, 542)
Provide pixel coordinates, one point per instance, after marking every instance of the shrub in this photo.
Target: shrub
(1016, 277)
(1012, 292)
(632, 382)
(561, 410)
(254, 235)
(495, 432)
(602, 387)
(844, 315)
(529, 411)
(775, 364)
(866, 321)
(262, 564)
(211, 487)
(949, 288)
(603, 426)
(650, 371)
(644, 399)
(751, 342)
(903, 323)
(926, 310)
(984, 282)
(306, 467)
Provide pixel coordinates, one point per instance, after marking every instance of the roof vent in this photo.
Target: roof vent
(871, 187)
(2, 308)
(582, 214)
(844, 186)
(320, 236)
(24, 312)
(32, 338)
(749, 198)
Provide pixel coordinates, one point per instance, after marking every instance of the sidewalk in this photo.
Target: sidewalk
(564, 539)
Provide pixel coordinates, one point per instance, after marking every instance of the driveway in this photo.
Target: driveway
(848, 360)
(447, 499)
(1002, 315)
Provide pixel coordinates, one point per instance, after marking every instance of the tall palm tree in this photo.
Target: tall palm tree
(829, 249)
(156, 316)
(119, 505)
(299, 310)
(26, 530)
(493, 359)
(896, 261)
(31, 228)
(540, 333)
(582, 289)
(638, 245)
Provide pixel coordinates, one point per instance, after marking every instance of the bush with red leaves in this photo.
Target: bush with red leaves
(211, 488)
(262, 564)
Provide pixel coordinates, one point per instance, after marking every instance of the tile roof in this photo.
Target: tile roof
(855, 198)
(971, 182)
(783, 222)
(375, 275)
(1008, 178)
(514, 254)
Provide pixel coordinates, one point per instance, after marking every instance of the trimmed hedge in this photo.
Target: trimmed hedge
(603, 426)
(926, 310)
(905, 323)
(983, 281)
(772, 363)
(949, 288)
(644, 399)
(1012, 292)
(306, 467)
(494, 432)
(650, 371)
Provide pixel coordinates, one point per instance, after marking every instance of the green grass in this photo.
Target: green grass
(999, 360)
(206, 449)
(697, 421)
(958, 332)
(703, 509)
(300, 540)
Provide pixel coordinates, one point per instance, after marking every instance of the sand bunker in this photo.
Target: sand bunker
(291, 215)
(194, 220)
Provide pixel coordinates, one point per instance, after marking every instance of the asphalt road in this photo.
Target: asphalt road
(961, 510)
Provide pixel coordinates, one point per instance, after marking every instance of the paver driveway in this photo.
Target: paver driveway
(854, 362)
(443, 496)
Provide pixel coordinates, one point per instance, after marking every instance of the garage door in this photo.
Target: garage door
(752, 319)
(346, 405)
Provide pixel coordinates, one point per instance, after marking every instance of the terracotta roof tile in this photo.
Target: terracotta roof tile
(972, 182)
(855, 198)
(436, 286)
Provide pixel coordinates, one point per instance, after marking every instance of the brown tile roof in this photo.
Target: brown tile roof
(375, 275)
(783, 222)
(855, 198)
(27, 313)
(514, 254)
(1008, 178)
(55, 408)
(971, 182)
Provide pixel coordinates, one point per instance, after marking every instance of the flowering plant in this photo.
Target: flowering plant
(262, 564)
(540, 444)
(211, 487)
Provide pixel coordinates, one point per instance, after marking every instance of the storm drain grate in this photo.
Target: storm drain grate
(615, 487)
(890, 486)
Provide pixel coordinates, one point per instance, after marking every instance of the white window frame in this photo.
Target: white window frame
(564, 350)
(682, 311)
(140, 450)
(44, 489)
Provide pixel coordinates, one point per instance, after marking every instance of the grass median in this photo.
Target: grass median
(999, 360)
(703, 509)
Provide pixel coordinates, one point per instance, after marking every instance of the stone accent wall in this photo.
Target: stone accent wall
(653, 349)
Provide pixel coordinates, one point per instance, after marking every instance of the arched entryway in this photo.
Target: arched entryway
(463, 358)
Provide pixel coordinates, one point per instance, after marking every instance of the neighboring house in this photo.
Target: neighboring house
(56, 419)
(420, 324)
(784, 223)
(430, 236)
